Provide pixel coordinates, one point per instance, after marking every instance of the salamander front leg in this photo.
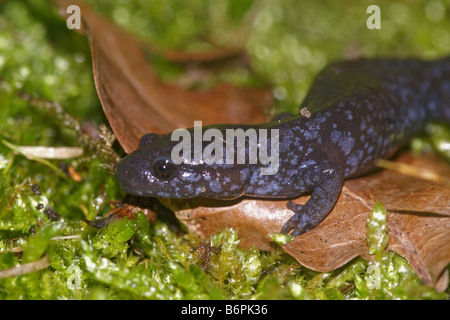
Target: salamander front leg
(325, 182)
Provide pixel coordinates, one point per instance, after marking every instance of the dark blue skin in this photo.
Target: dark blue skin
(355, 112)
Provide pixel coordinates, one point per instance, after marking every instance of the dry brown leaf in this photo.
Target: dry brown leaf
(137, 102)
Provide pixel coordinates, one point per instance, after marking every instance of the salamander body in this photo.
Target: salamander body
(355, 112)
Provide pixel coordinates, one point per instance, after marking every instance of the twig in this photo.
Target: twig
(20, 249)
(26, 268)
(413, 171)
(33, 158)
(76, 236)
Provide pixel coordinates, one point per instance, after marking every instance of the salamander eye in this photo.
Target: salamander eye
(163, 168)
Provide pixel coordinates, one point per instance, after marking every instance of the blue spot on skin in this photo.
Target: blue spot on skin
(347, 144)
(215, 186)
(234, 187)
(308, 135)
(349, 114)
(198, 190)
(244, 174)
(336, 136)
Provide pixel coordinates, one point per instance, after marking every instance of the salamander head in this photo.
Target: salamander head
(150, 172)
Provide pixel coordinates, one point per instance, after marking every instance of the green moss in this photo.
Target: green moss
(389, 276)
(288, 42)
(37, 243)
(377, 236)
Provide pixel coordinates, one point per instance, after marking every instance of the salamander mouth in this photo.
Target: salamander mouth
(141, 192)
(148, 192)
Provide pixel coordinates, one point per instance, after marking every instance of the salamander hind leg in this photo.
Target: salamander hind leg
(325, 181)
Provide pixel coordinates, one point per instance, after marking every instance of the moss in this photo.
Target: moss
(43, 66)
(437, 140)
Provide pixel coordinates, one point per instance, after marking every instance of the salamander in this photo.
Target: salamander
(354, 113)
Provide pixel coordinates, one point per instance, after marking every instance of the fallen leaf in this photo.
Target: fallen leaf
(137, 102)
